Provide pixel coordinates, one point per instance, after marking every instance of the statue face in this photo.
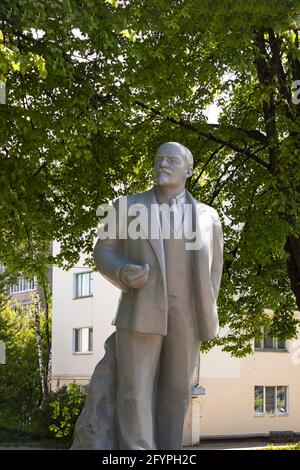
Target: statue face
(170, 167)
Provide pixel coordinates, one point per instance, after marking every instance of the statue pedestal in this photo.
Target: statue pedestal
(191, 435)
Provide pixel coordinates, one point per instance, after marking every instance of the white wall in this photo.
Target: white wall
(218, 364)
(68, 313)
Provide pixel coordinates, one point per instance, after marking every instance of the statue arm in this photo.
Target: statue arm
(109, 261)
(109, 255)
(217, 260)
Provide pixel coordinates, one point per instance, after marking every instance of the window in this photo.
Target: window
(2, 268)
(269, 342)
(22, 285)
(270, 400)
(281, 397)
(281, 344)
(83, 340)
(83, 285)
(83, 389)
(258, 399)
(21, 306)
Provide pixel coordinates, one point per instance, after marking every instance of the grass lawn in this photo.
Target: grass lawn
(284, 447)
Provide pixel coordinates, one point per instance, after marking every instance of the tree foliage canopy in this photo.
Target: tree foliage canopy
(111, 81)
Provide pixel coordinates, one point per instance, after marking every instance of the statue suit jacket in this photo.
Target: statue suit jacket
(145, 310)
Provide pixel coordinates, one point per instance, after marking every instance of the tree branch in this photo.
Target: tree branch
(204, 134)
(220, 184)
(266, 79)
(206, 163)
(252, 133)
(278, 71)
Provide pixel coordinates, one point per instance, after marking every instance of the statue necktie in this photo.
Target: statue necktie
(176, 215)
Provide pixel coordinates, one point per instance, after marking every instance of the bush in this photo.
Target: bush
(15, 434)
(58, 414)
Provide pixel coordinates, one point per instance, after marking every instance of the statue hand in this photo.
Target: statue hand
(134, 275)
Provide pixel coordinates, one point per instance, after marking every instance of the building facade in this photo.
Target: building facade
(21, 292)
(252, 396)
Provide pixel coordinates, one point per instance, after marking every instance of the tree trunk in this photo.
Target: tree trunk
(292, 247)
(48, 369)
(36, 308)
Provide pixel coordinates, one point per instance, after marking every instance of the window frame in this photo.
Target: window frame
(275, 347)
(260, 413)
(24, 284)
(75, 285)
(276, 412)
(90, 340)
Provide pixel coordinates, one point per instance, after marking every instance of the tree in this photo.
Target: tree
(20, 391)
(249, 160)
(41, 312)
(122, 77)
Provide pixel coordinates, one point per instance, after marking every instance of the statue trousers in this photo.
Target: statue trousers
(154, 378)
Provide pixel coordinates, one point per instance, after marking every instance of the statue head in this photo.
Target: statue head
(173, 164)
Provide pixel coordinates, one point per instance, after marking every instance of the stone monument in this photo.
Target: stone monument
(164, 250)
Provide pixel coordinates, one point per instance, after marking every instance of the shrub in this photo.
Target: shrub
(59, 412)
